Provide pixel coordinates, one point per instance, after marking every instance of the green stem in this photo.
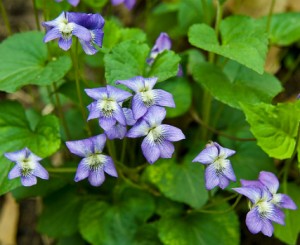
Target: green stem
(124, 144)
(36, 15)
(204, 11)
(61, 170)
(61, 113)
(5, 18)
(270, 16)
(111, 149)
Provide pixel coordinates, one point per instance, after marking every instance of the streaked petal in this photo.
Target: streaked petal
(253, 193)
(97, 93)
(74, 2)
(254, 183)
(163, 98)
(117, 94)
(87, 47)
(284, 201)
(267, 228)
(163, 42)
(150, 150)
(135, 83)
(94, 111)
(269, 180)
(211, 177)
(14, 172)
(55, 22)
(138, 107)
(96, 178)
(107, 122)
(118, 131)
(171, 133)
(138, 130)
(82, 171)
(228, 170)
(150, 82)
(276, 215)
(82, 33)
(98, 35)
(17, 155)
(155, 115)
(225, 152)
(129, 116)
(166, 149)
(52, 34)
(223, 181)
(254, 221)
(28, 180)
(119, 115)
(208, 155)
(65, 44)
(80, 148)
(109, 167)
(40, 171)
(98, 142)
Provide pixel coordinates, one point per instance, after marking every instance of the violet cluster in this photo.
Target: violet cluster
(266, 204)
(88, 28)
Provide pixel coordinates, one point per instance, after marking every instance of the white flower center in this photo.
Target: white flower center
(147, 97)
(107, 106)
(219, 163)
(27, 166)
(276, 199)
(264, 208)
(155, 135)
(66, 29)
(95, 161)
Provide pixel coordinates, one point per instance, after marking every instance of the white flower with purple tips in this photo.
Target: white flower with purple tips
(129, 4)
(74, 3)
(107, 105)
(94, 163)
(219, 171)
(27, 167)
(63, 29)
(157, 143)
(145, 96)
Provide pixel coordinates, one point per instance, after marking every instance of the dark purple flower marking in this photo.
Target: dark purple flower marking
(72, 2)
(27, 167)
(129, 4)
(94, 163)
(219, 171)
(157, 143)
(145, 96)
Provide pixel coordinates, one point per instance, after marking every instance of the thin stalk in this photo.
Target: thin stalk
(111, 149)
(204, 11)
(36, 15)
(61, 113)
(61, 170)
(270, 16)
(124, 144)
(5, 18)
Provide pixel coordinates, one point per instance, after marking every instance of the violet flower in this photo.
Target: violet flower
(27, 167)
(219, 171)
(63, 29)
(95, 24)
(106, 107)
(129, 4)
(146, 96)
(157, 143)
(74, 3)
(94, 163)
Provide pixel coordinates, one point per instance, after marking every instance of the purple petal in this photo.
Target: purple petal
(254, 183)
(223, 181)
(150, 150)
(74, 2)
(118, 131)
(98, 37)
(275, 214)
(129, 116)
(138, 130)
(208, 155)
(228, 171)
(80, 148)
(119, 115)
(94, 110)
(109, 167)
(54, 23)
(163, 98)
(138, 107)
(40, 171)
(98, 143)
(166, 149)
(163, 42)
(15, 172)
(269, 180)
(65, 44)
(284, 201)
(171, 133)
(211, 177)
(97, 93)
(28, 180)
(267, 228)
(129, 4)
(117, 94)
(116, 2)
(253, 193)
(180, 71)
(82, 33)
(87, 47)
(150, 82)
(83, 171)
(31, 156)
(136, 83)
(224, 151)
(90, 21)
(96, 178)
(53, 33)
(107, 122)
(253, 221)
(155, 115)
(17, 155)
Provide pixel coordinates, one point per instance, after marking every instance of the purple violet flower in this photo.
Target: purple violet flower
(262, 211)
(107, 107)
(27, 167)
(270, 182)
(63, 29)
(95, 24)
(145, 96)
(74, 3)
(157, 143)
(94, 163)
(219, 171)
(129, 4)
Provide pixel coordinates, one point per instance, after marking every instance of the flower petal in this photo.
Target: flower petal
(65, 44)
(118, 131)
(40, 171)
(163, 42)
(117, 94)
(150, 150)
(107, 122)
(98, 142)
(74, 2)
(98, 35)
(129, 116)
(96, 93)
(166, 149)
(150, 82)
(135, 83)
(17, 155)
(225, 152)
(28, 180)
(284, 201)
(94, 110)
(52, 34)
(211, 177)
(138, 130)
(171, 133)
(155, 115)
(253, 193)
(163, 98)
(109, 167)
(208, 155)
(118, 114)
(223, 181)
(87, 47)
(80, 148)
(254, 221)
(254, 183)
(269, 180)
(276, 215)
(82, 171)
(228, 170)
(267, 228)
(96, 178)
(14, 172)
(129, 4)
(139, 109)
(81, 32)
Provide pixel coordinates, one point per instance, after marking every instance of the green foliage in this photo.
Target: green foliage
(182, 182)
(237, 84)
(242, 39)
(200, 229)
(32, 65)
(290, 232)
(95, 3)
(274, 127)
(16, 133)
(115, 223)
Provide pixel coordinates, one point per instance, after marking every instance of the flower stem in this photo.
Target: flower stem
(61, 170)
(270, 16)
(5, 18)
(36, 15)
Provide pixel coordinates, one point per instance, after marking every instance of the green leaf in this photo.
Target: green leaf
(147, 235)
(164, 66)
(290, 232)
(95, 3)
(24, 60)
(181, 90)
(127, 60)
(200, 229)
(239, 85)
(182, 182)
(16, 133)
(242, 39)
(60, 213)
(116, 223)
(274, 127)
(135, 34)
(285, 29)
